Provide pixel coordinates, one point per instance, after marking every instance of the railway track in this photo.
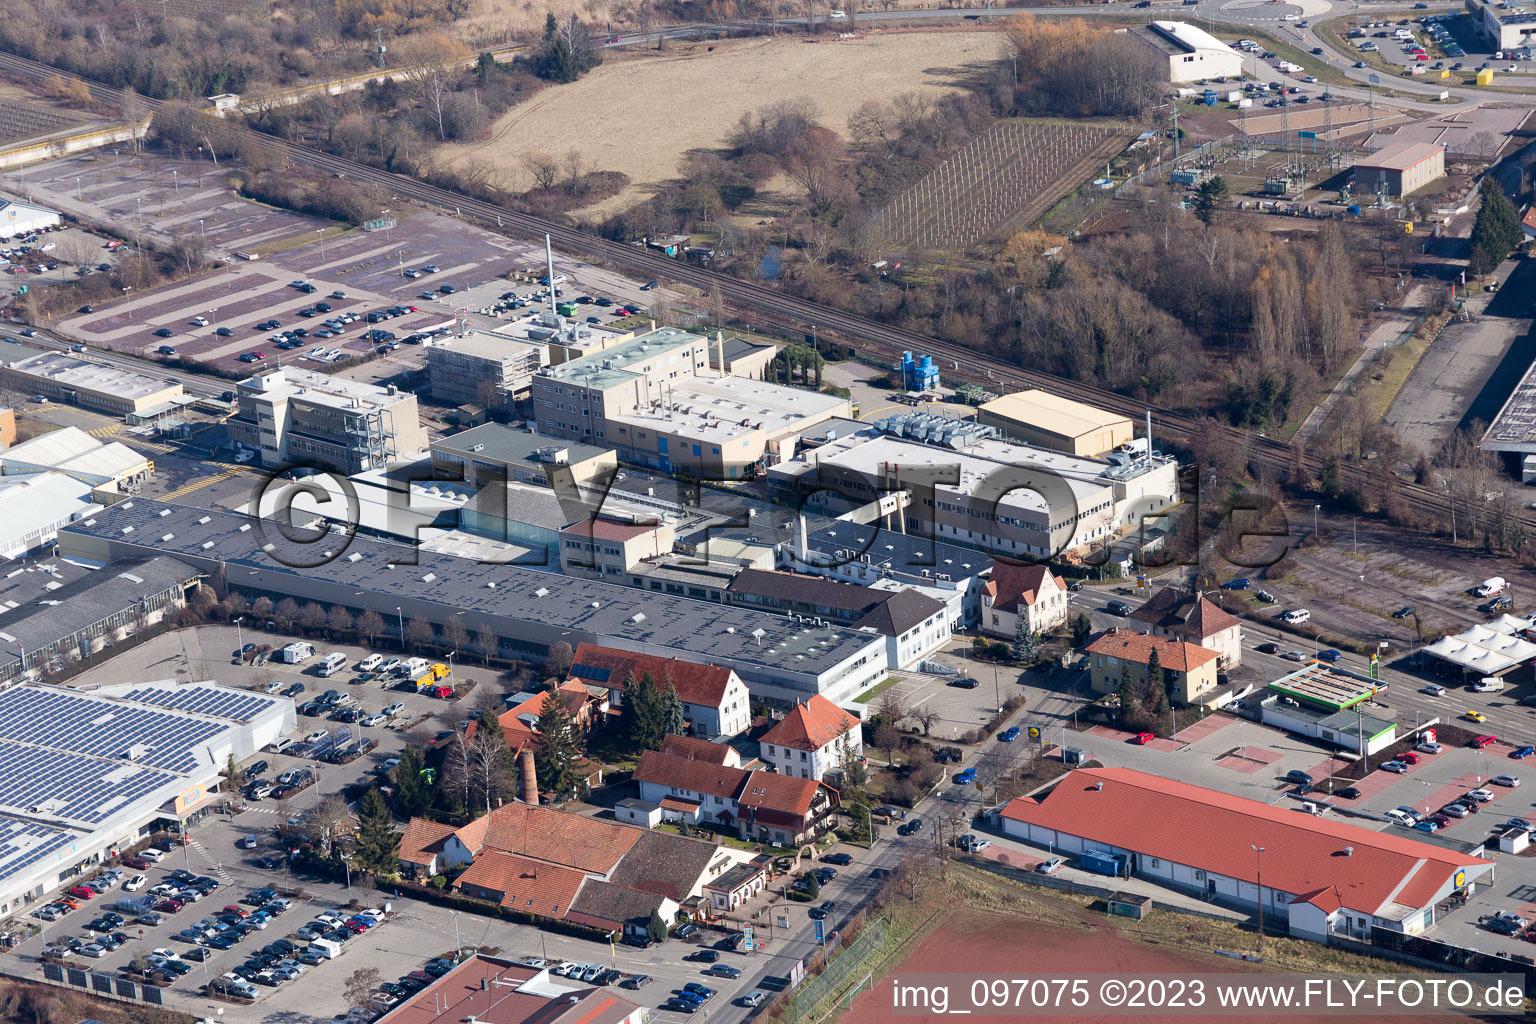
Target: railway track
(784, 310)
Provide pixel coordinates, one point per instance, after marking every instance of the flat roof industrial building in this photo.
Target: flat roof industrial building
(85, 773)
(528, 608)
(1513, 430)
(94, 385)
(1052, 421)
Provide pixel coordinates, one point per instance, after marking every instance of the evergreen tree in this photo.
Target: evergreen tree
(559, 747)
(1129, 707)
(1082, 629)
(656, 928)
(812, 885)
(1210, 197)
(557, 63)
(413, 795)
(1154, 679)
(1496, 232)
(550, 26)
(640, 714)
(377, 840)
(1025, 640)
(674, 720)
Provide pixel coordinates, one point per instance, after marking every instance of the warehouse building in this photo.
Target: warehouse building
(481, 368)
(527, 609)
(111, 467)
(1316, 877)
(1401, 168)
(1325, 703)
(68, 378)
(1192, 54)
(84, 775)
(288, 415)
(85, 615)
(18, 219)
(1050, 421)
(34, 506)
(741, 357)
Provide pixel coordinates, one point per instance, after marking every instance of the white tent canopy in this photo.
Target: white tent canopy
(1488, 650)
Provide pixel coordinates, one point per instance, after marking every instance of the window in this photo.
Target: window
(1156, 863)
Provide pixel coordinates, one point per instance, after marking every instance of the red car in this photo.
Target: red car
(138, 863)
(440, 691)
(1482, 741)
(233, 909)
(1141, 739)
(169, 906)
(80, 892)
(1409, 757)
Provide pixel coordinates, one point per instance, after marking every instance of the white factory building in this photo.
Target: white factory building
(23, 219)
(1193, 54)
(85, 774)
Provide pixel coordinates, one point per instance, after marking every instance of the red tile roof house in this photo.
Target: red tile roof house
(519, 723)
(1040, 593)
(714, 697)
(761, 806)
(1320, 877)
(495, 991)
(807, 743)
(554, 864)
(1180, 615)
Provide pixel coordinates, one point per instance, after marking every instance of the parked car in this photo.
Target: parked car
(1479, 742)
(1396, 767)
(1141, 739)
(965, 777)
(1510, 781)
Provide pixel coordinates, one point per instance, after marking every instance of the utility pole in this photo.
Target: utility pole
(1258, 856)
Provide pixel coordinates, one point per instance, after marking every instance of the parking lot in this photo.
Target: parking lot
(413, 931)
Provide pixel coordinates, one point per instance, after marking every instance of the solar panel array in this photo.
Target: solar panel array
(72, 722)
(24, 843)
(61, 784)
(204, 700)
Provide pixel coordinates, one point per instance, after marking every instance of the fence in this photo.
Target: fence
(847, 969)
(110, 986)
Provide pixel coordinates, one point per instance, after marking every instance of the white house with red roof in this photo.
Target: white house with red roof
(715, 700)
(1015, 589)
(808, 742)
(1319, 875)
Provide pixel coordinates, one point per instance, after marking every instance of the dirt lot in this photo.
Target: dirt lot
(626, 115)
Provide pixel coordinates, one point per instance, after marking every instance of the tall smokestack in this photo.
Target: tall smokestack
(805, 554)
(530, 778)
(549, 263)
(720, 348)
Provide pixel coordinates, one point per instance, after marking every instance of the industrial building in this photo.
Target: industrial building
(34, 506)
(654, 400)
(604, 547)
(24, 219)
(527, 609)
(1505, 27)
(85, 775)
(1050, 421)
(482, 368)
(71, 621)
(288, 415)
(1192, 54)
(1329, 704)
(1006, 499)
(495, 452)
(69, 378)
(1315, 877)
(1400, 169)
(1512, 433)
(111, 467)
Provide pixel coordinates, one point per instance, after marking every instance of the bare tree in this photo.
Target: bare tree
(360, 985)
(575, 171)
(544, 169)
(78, 249)
(324, 823)
(489, 765)
(486, 640)
(455, 635)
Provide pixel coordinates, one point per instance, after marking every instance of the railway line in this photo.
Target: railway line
(785, 311)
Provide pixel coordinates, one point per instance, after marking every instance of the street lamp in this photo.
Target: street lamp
(239, 638)
(401, 616)
(1315, 510)
(1258, 856)
(321, 233)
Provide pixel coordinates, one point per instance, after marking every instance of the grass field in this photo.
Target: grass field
(642, 114)
(996, 928)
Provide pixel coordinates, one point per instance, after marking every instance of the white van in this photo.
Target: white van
(370, 663)
(1492, 585)
(1488, 684)
(332, 664)
(279, 745)
(1296, 616)
(414, 667)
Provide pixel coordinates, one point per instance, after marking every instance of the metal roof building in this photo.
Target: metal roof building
(1192, 54)
(83, 773)
(526, 608)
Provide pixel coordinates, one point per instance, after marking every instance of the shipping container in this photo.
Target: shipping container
(1104, 863)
